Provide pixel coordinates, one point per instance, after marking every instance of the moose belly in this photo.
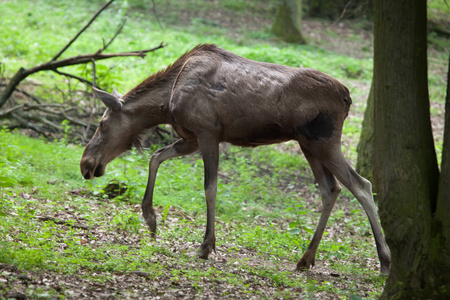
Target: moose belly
(252, 136)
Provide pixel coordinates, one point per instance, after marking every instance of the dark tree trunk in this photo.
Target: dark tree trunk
(405, 167)
(440, 248)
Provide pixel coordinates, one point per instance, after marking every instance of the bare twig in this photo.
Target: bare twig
(94, 74)
(81, 31)
(55, 128)
(119, 30)
(156, 15)
(74, 77)
(75, 121)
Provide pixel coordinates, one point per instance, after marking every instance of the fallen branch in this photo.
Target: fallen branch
(25, 124)
(62, 222)
(54, 64)
(48, 119)
(141, 274)
(10, 110)
(26, 107)
(35, 99)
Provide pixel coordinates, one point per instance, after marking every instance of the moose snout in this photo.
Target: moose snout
(87, 167)
(90, 168)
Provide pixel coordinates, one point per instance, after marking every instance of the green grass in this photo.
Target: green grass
(258, 210)
(145, 33)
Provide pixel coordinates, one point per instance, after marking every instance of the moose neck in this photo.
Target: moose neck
(148, 106)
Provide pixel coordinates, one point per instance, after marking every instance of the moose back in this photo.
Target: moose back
(209, 96)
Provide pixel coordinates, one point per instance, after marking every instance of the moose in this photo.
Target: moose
(210, 95)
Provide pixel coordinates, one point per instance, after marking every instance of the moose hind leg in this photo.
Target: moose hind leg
(329, 189)
(179, 148)
(361, 188)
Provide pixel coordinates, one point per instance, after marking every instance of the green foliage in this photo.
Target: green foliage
(438, 10)
(258, 210)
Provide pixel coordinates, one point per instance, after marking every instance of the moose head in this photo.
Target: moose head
(114, 135)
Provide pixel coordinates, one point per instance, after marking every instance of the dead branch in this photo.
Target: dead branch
(34, 98)
(10, 111)
(155, 14)
(25, 124)
(119, 30)
(81, 31)
(47, 119)
(51, 126)
(73, 77)
(54, 63)
(25, 107)
(70, 223)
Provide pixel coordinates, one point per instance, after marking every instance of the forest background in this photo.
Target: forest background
(68, 238)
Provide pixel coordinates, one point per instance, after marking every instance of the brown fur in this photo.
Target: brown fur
(209, 96)
(167, 74)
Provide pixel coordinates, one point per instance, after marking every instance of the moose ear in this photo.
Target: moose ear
(109, 100)
(116, 94)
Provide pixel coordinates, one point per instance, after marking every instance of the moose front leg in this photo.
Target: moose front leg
(210, 154)
(179, 148)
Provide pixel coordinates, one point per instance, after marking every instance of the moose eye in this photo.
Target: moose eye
(100, 124)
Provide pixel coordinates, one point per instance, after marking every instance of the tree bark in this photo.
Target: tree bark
(365, 146)
(440, 247)
(287, 23)
(405, 167)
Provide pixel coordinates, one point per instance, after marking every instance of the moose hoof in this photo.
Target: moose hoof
(151, 222)
(205, 250)
(304, 265)
(203, 253)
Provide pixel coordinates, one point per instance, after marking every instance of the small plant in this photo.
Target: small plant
(128, 222)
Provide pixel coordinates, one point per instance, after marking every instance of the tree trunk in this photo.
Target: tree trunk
(405, 167)
(365, 145)
(440, 248)
(288, 21)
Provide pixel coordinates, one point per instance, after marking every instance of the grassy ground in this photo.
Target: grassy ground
(63, 237)
(266, 212)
